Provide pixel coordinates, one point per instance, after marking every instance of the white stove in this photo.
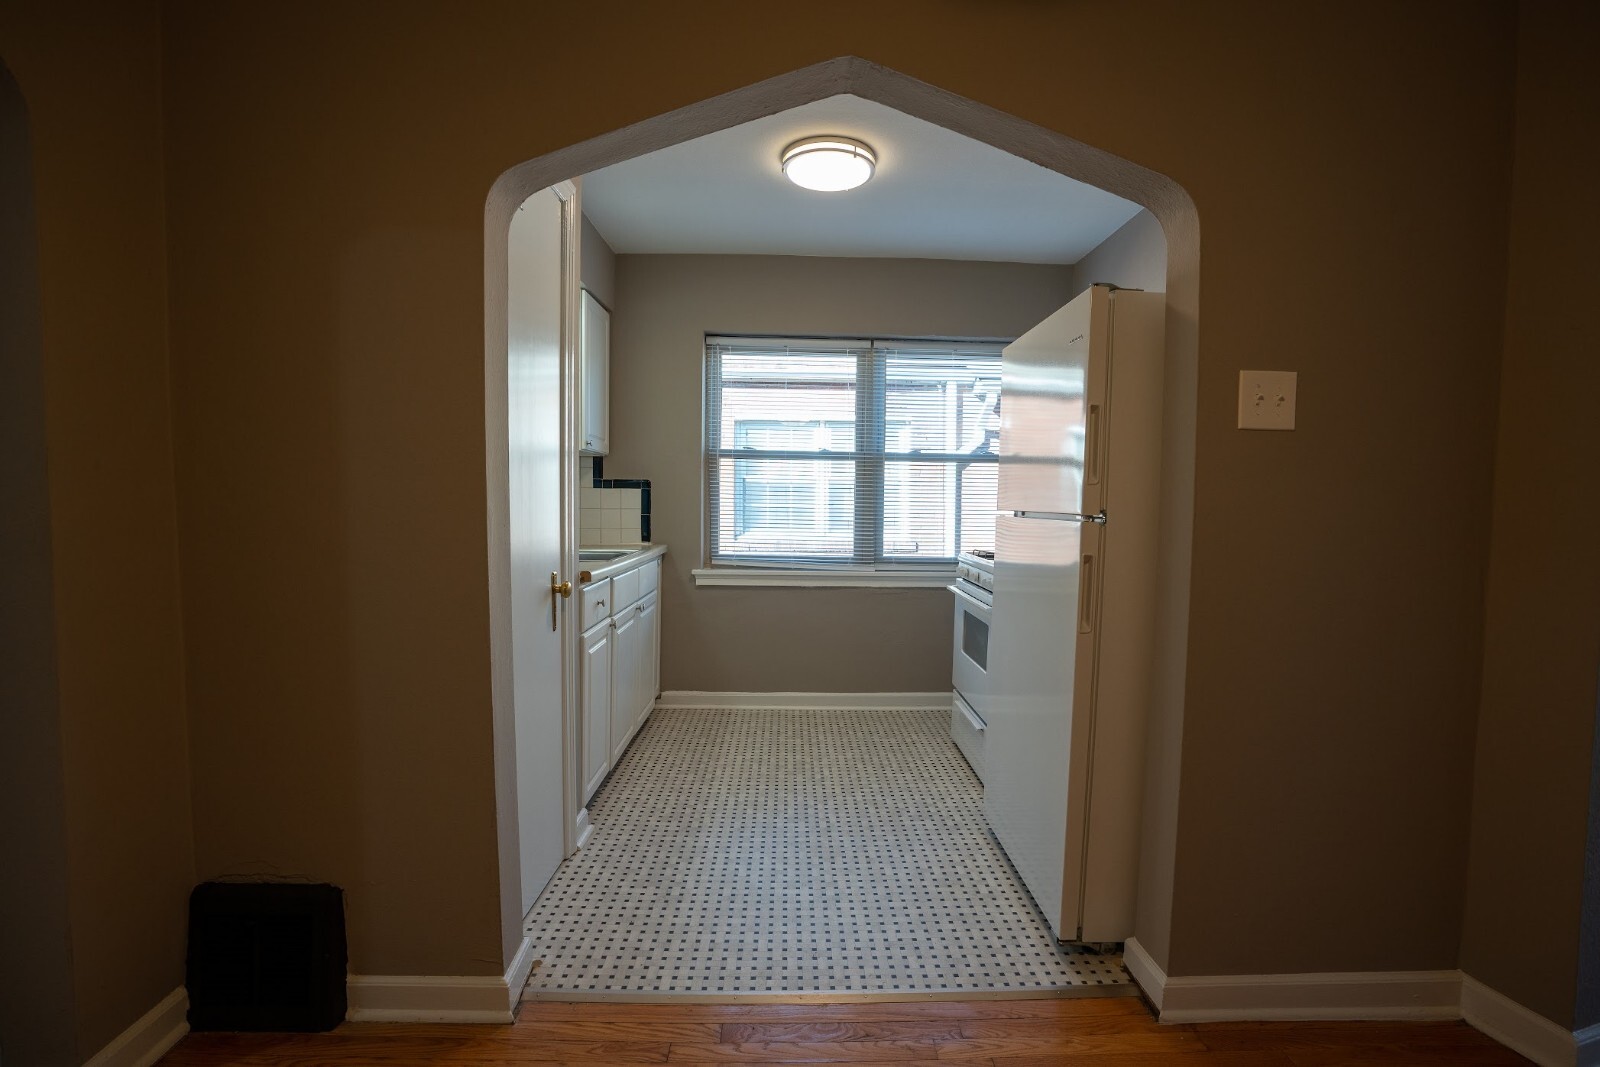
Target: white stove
(974, 599)
(975, 574)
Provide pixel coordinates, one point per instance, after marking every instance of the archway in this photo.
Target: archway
(850, 75)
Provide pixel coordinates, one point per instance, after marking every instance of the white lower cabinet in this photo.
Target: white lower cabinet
(649, 658)
(595, 678)
(624, 681)
(620, 673)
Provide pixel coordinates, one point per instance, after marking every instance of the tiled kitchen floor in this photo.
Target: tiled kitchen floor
(757, 852)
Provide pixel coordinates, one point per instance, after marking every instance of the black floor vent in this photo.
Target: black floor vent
(266, 957)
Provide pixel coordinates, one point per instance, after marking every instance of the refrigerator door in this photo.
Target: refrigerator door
(1040, 715)
(1050, 411)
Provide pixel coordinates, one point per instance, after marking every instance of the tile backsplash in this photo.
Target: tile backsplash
(611, 511)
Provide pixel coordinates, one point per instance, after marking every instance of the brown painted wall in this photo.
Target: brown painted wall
(328, 175)
(785, 640)
(1542, 635)
(36, 980)
(91, 79)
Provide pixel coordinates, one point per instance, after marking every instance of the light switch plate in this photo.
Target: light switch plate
(1266, 399)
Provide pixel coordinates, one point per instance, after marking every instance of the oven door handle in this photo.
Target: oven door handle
(978, 605)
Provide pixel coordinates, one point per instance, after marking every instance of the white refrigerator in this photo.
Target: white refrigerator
(1073, 615)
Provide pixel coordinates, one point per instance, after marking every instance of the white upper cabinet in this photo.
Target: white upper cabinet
(594, 356)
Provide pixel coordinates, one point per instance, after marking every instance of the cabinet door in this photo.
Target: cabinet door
(649, 656)
(624, 681)
(595, 677)
(594, 355)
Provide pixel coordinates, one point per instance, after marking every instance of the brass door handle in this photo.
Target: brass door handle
(557, 589)
(584, 577)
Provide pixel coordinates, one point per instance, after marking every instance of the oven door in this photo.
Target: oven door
(970, 648)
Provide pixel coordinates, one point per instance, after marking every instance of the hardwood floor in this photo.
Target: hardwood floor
(1117, 1032)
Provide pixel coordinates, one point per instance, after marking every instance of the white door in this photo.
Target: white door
(596, 680)
(534, 307)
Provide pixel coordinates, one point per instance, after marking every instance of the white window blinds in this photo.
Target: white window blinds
(867, 452)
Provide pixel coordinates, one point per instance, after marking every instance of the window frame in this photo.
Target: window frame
(867, 565)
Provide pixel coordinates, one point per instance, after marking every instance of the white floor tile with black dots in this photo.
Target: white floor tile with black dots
(749, 851)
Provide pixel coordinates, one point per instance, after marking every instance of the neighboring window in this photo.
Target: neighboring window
(858, 453)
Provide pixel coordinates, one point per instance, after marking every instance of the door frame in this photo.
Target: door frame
(575, 817)
(1180, 223)
(497, 479)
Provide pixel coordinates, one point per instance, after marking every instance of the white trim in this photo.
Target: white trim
(688, 698)
(404, 998)
(1415, 995)
(585, 828)
(1519, 1028)
(1362, 995)
(149, 1038)
(1147, 973)
(517, 974)
(824, 577)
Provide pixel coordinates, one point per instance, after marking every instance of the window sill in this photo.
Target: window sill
(821, 578)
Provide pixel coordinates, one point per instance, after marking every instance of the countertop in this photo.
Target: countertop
(601, 569)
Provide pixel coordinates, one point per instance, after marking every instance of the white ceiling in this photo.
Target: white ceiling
(936, 195)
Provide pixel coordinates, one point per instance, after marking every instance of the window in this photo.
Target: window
(862, 454)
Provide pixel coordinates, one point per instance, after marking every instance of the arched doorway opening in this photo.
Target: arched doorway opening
(1165, 199)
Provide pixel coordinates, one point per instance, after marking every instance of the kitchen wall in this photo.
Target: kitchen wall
(597, 265)
(1135, 257)
(808, 640)
(1541, 669)
(97, 792)
(325, 203)
(611, 511)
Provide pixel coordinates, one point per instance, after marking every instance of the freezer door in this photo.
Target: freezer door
(1051, 412)
(1040, 711)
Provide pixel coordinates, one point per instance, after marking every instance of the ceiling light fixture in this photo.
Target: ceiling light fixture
(829, 164)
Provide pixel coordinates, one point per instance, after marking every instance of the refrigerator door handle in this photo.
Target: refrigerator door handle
(1062, 516)
(1091, 446)
(1086, 595)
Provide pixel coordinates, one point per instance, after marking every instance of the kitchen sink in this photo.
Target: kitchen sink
(598, 555)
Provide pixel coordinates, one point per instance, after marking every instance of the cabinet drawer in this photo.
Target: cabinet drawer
(624, 589)
(596, 598)
(968, 734)
(649, 577)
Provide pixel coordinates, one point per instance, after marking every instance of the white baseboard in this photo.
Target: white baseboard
(1331, 995)
(1145, 970)
(583, 830)
(1408, 995)
(517, 974)
(1362, 995)
(403, 998)
(149, 1038)
(690, 698)
(1520, 1029)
